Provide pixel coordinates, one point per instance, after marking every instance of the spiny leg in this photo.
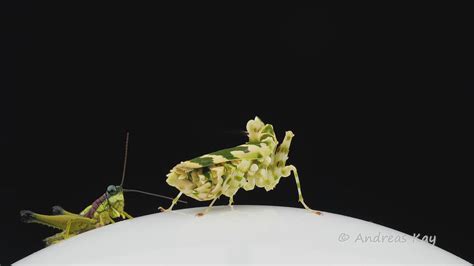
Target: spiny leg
(58, 210)
(175, 200)
(54, 239)
(56, 221)
(298, 186)
(199, 214)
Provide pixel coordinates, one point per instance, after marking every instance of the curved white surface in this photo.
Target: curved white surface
(244, 234)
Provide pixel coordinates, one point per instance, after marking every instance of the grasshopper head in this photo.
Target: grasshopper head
(116, 199)
(113, 190)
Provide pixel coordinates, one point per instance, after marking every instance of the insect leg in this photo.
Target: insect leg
(101, 220)
(54, 239)
(208, 208)
(231, 201)
(108, 219)
(175, 200)
(125, 215)
(298, 186)
(57, 221)
(58, 210)
(68, 227)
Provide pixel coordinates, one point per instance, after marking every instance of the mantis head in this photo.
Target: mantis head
(261, 132)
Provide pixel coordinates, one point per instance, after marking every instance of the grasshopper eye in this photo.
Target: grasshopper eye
(111, 190)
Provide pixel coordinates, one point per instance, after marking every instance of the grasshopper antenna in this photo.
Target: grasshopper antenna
(125, 170)
(151, 194)
(125, 159)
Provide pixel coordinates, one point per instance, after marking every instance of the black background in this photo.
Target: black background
(380, 101)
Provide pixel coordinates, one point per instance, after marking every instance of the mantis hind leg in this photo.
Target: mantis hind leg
(199, 214)
(175, 200)
(231, 201)
(298, 187)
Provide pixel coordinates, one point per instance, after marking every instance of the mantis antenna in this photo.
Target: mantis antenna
(124, 172)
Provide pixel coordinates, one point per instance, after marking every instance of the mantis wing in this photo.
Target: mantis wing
(245, 151)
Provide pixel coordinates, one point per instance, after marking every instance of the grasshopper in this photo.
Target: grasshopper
(101, 212)
(259, 162)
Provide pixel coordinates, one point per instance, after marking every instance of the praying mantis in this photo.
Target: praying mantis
(260, 162)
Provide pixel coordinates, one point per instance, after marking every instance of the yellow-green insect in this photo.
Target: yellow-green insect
(102, 211)
(259, 162)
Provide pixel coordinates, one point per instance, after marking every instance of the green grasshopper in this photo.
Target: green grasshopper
(259, 162)
(101, 212)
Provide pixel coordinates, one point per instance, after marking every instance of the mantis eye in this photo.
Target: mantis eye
(111, 190)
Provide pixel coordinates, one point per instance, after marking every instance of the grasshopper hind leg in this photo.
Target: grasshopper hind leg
(57, 238)
(57, 210)
(27, 216)
(54, 239)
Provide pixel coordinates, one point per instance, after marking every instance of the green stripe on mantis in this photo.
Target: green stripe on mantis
(203, 161)
(226, 153)
(246, 151)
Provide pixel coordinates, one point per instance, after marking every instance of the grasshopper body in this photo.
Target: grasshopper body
(101, 212)
(260, 162)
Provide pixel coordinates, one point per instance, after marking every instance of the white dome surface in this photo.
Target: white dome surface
(243, 235)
